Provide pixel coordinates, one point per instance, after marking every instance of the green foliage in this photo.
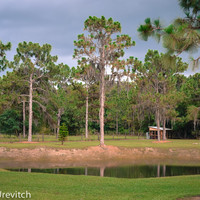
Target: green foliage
(10, 122)
(147, 21)
(156, 82)
(3, 60)
(74, 110)
(36, 67)
(11, 88)
(100, 30)
(169, 29)
(150, 29)
(182, 35)
(192, 90)
(29, 55)
(63, 133)
(190, 5)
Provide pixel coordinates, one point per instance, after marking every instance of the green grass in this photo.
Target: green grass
(51, 138)
(134, 143)
(53, 186)
(174, 144)
(56, 145)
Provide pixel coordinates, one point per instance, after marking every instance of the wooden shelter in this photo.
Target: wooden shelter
(153, 132)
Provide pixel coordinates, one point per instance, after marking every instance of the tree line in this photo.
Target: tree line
(40, 94)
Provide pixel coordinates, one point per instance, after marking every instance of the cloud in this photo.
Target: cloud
(58, 22)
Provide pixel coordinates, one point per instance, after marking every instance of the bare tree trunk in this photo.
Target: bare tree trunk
(30, 108)
(24, 118)
(58, 122)
(86, 115)
(133, 118)
(158, 123)
(117, 114)
(164, 115)
(164, 130)
(102, 102)
(157, 114)
(127, 82)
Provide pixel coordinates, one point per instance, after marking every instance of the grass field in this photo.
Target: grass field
(68, 187)
(52, 138)
(129, 143)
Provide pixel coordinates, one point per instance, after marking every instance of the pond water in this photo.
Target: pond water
(134, 171)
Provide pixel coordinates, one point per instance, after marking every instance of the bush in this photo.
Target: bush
(63, 133)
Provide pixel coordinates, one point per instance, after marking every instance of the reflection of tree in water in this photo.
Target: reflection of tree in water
(137, 171)
(102, 169)
(161, 170)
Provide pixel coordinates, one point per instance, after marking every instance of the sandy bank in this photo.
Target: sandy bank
(97, 156)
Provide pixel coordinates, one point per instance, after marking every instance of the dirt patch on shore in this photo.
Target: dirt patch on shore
(190, 198)
(98, 156)
(162, 141)
(26, 142)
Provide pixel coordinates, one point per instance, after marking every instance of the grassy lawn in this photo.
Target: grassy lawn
(52, 138)
(134, 143)
(53, 186)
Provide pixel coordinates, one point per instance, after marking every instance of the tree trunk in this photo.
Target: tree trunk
(117, 114)
(127, 82)
(158, 123)
(164, 130)
(102, 102)
(30, 108)
(157, 113)
(58, 122)
(164, 115)
(86, 115)
(24, 118)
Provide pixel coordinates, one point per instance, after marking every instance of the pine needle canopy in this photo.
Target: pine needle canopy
(183, 35)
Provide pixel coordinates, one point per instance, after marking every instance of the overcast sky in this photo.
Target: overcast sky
(58, 22)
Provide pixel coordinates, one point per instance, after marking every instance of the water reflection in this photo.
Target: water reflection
(102, 169)
(136, 171)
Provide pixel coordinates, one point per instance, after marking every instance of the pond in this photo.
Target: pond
(133, 171)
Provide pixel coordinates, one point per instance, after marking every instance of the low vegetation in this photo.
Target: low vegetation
(51, 186)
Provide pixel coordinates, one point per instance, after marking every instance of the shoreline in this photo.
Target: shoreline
(96, 156)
